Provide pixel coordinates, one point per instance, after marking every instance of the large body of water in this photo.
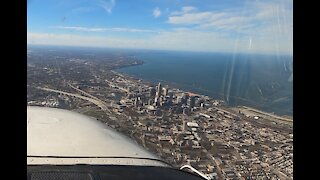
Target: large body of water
(260, 81)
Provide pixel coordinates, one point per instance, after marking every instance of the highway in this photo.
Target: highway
(95, 100)
(83, 92)
(111, 84)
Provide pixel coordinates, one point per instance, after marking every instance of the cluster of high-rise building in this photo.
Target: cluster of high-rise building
(194, 129)
(181, 127)
(159, 97)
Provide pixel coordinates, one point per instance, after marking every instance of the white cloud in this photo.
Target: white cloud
(86, 29)
(156, 12)
(184, 10)
(260, 27)
(78, 40)
(270, 10)
(180, 39)
(253, 18)
(226, 23)
(107, 5)
(78, 28)
(194, 18)
(188, 9)
(131, 30)
(208, 19)
(271, 20)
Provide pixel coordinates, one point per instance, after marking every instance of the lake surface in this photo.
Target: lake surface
(260, 81)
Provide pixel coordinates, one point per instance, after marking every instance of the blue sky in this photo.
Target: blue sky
(251, 26)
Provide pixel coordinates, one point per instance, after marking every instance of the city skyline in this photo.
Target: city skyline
(222, 26)
(178, 126)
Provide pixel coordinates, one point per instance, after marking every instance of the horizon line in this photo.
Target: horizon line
(153, 49)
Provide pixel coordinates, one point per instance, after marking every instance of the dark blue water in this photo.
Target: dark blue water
(260, 81)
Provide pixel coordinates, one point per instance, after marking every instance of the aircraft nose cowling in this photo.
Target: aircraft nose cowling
(53, 133)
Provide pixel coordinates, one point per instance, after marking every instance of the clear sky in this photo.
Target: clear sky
(251, 26)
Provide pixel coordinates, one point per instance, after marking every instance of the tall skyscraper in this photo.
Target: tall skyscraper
(157, 101)
(179, 99)
(159, 88)
(152, 91)
(161, 100)
(170, 94)
(199, 101)
(192, 101)
(184, 99)
(165, 91)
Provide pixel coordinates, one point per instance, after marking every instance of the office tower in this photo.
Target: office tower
(165, 91)
(161, 100)
(192, 101)
(199, 101)
(170, 94)
(157, 101)
(179, 100)
(159, 88)
(184, 99)
(152, 91)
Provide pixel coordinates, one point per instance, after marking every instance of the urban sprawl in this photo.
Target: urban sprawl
(180, 127)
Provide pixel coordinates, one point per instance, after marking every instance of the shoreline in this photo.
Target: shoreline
(288, 118)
